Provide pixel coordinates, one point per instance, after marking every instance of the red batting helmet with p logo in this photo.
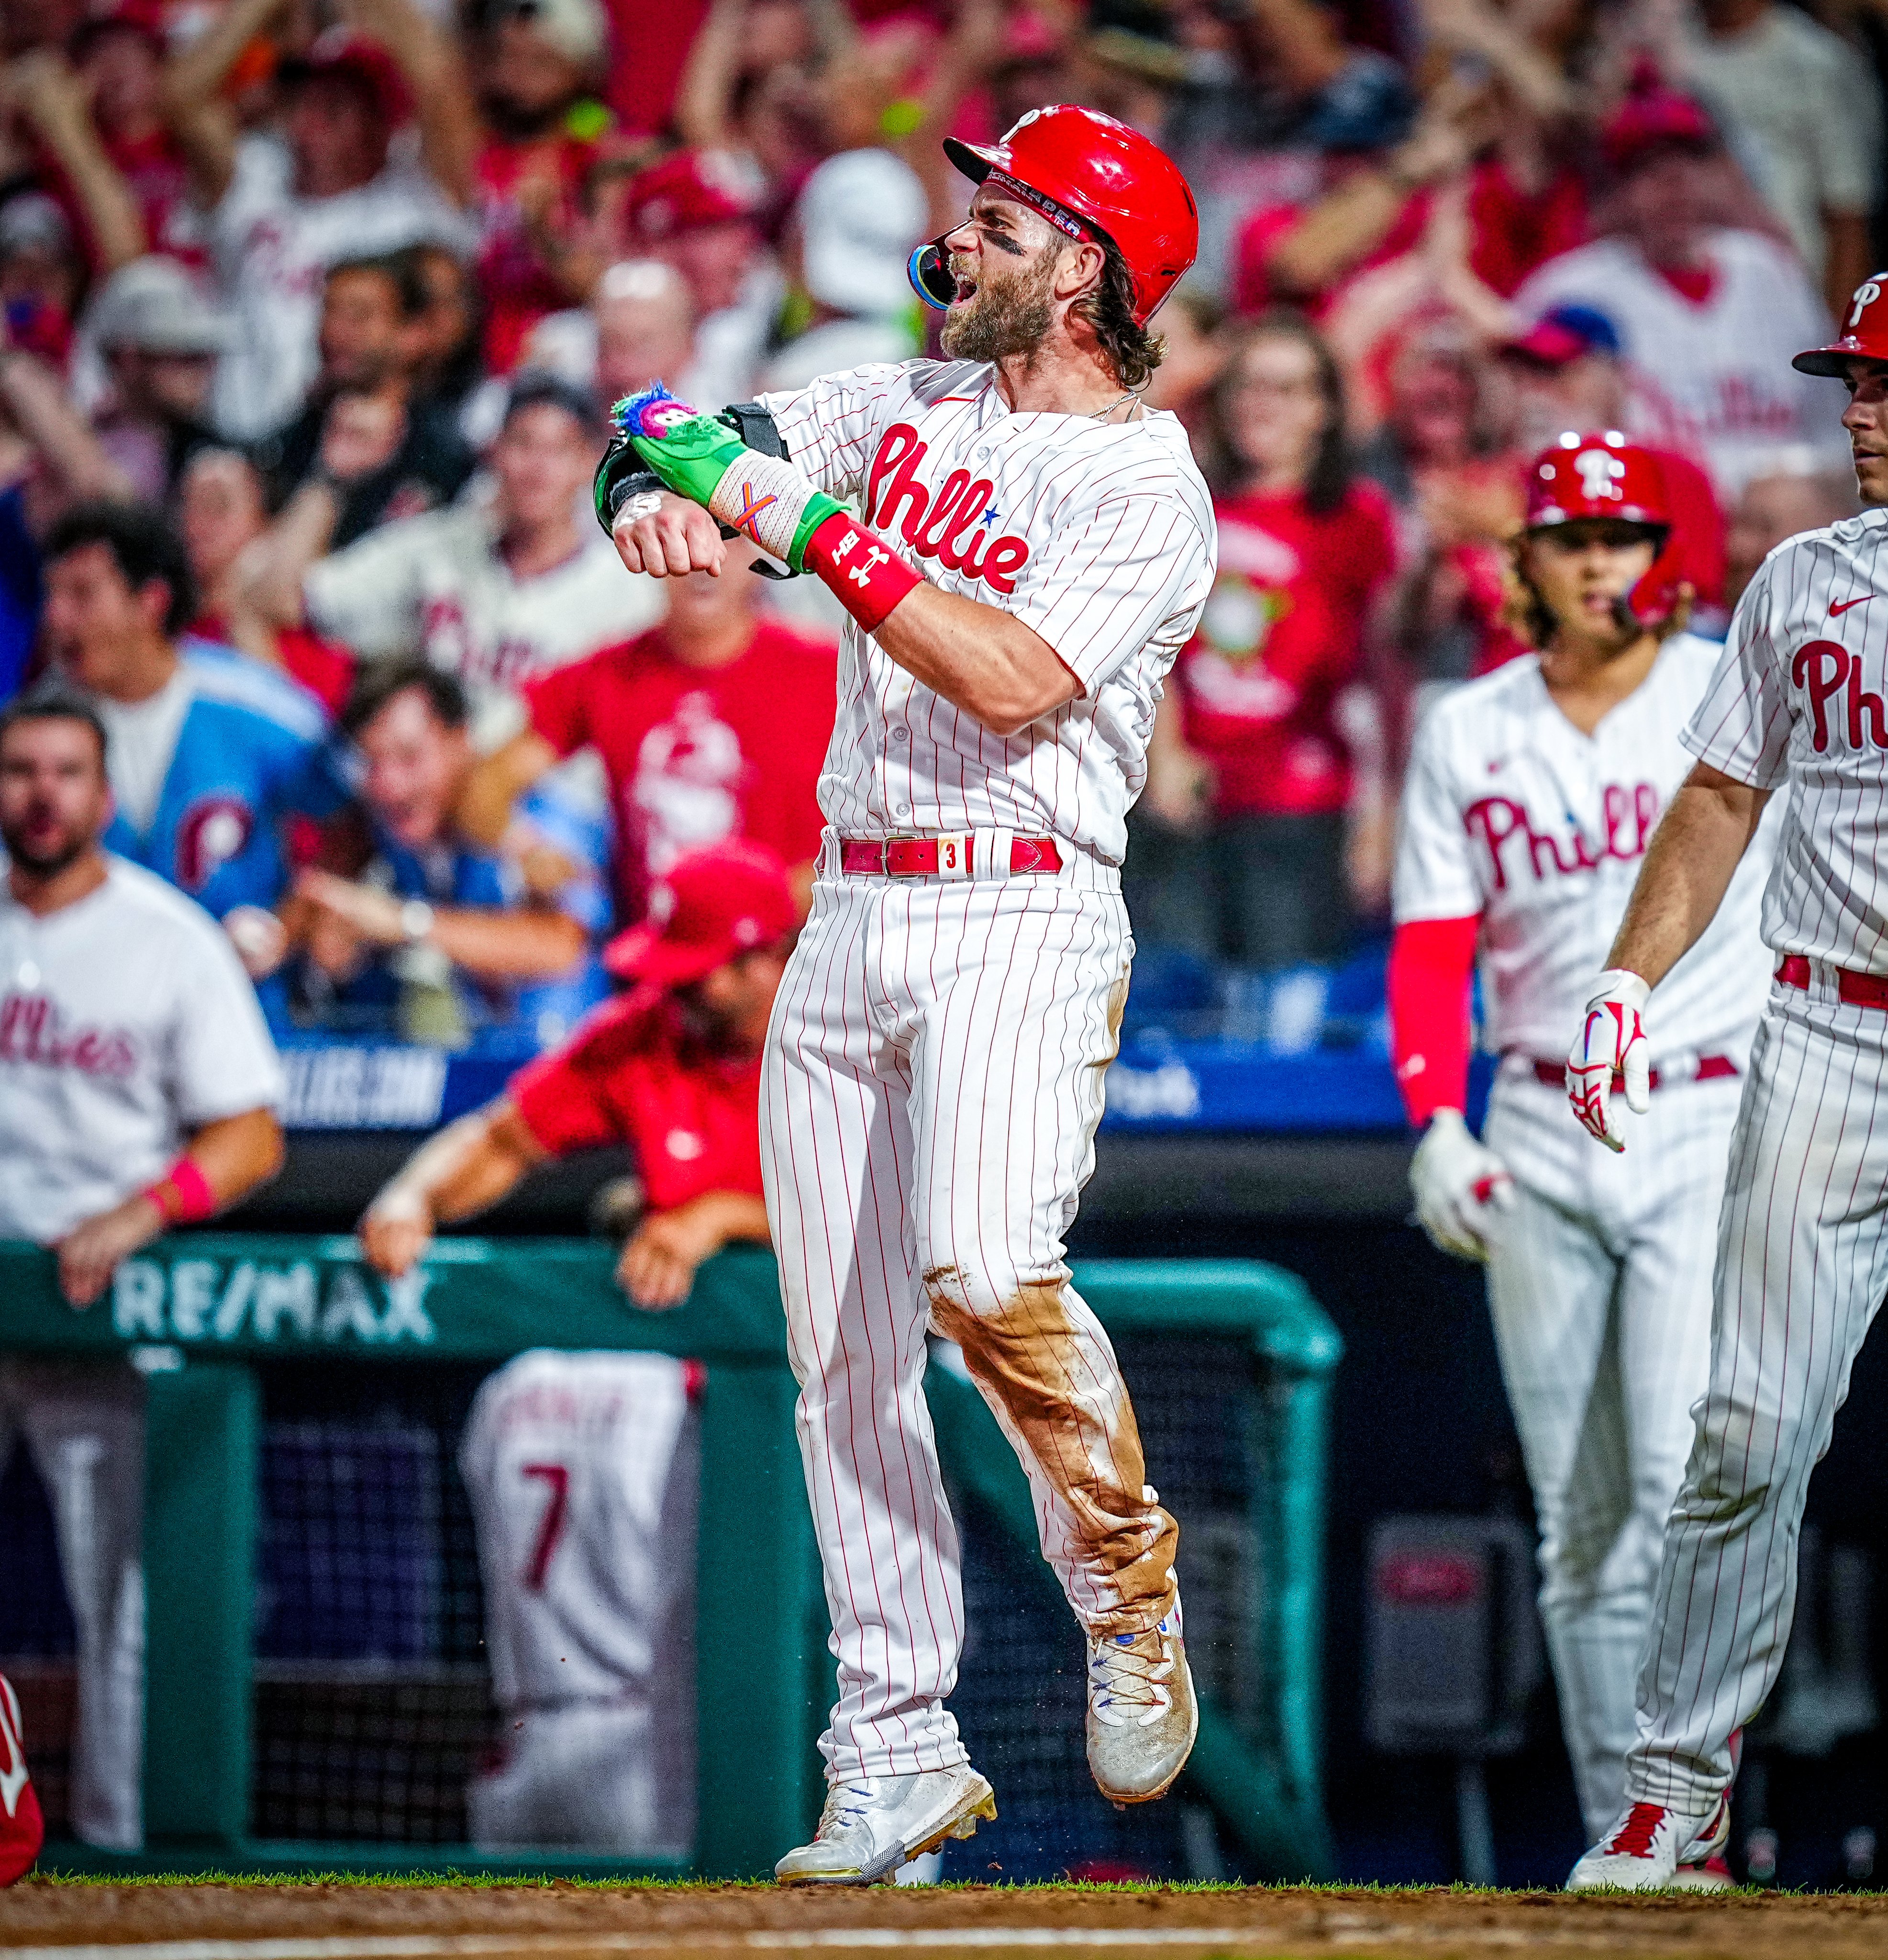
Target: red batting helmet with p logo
(1865, 335)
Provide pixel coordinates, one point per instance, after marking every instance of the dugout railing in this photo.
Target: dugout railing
(202, 1314)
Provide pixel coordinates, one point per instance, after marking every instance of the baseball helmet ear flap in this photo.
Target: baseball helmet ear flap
(930, 274)
(1659, 593)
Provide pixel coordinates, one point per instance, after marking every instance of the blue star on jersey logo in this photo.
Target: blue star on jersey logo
(989, 519)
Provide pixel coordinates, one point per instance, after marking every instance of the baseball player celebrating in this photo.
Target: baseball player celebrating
(1798, 699)
(1531, 796)
(1033, 550)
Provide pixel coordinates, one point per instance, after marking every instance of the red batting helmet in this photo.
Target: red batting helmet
(1089, 175)
(1864, 336)
(1602, 474)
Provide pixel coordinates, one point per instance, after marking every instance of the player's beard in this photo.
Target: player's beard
(1011, 315)
(47, 861)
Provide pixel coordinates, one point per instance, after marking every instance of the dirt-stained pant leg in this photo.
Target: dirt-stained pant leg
(932, 1085)
(1007, 1064)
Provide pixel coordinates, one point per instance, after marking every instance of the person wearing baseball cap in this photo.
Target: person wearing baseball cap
(672, 1068)
(159, 334)
(694, 211)
(1707, 313)
(1568, 372)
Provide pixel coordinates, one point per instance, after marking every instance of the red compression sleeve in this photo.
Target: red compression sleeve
(1430, 963)
(868, 576)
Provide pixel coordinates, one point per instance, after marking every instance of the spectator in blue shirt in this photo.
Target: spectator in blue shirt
(451, 935)
(210, 753)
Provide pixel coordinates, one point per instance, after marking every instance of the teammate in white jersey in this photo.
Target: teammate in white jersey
(1035, 549)
(138, 1090)
(1531, 796)
(1799, 700)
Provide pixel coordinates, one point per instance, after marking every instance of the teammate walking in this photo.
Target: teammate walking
(1798, 700)
(1035, 549)
(1530, 797)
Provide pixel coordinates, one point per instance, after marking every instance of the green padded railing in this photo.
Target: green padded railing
(219, 1301)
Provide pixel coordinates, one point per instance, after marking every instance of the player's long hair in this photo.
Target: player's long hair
(1134, 351)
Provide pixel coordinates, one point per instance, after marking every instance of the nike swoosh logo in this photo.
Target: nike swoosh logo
(1837, 607)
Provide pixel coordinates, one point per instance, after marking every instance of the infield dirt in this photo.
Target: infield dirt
(243, 1920)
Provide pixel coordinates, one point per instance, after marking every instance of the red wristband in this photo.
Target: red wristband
(183, 1195)
(868, 576)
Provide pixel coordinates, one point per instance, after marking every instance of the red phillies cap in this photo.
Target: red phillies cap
(1865, 335)
(340, 51)
(1085, 172)
(1598, 475)
(715, 905)
(685, 192)
(1654, 117)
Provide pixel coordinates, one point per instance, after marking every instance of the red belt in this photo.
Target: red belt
(1710, 1068)
(951, 856)
(1853, 990)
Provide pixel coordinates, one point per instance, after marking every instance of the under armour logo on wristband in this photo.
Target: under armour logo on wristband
(861, 574)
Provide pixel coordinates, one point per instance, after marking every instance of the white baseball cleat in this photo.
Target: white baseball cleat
(871, 1825)
(1142, 1716)
(1650, 1846)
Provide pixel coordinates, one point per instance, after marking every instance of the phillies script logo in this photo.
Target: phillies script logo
(30, 1032)
(1627, 818)
(1824, 669)
(952, 525)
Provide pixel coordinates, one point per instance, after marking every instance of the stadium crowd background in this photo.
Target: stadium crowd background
(312, 313)
(336, 297)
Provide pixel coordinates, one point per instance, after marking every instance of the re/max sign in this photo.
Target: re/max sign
(214, 1300)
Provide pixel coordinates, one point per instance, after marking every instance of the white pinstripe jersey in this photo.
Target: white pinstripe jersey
(1800, 698)
(1511, 814)
(1099, 536)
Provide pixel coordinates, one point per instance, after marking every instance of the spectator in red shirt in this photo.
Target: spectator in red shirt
(1250, 755)
(119, 56)
(673, 1069)
(537, 59)
(712, 725)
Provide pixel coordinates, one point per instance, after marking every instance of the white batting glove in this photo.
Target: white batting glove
(1460, 1186)
(1611, 1042)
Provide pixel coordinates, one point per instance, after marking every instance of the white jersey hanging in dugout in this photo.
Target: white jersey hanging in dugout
(1510, 813)
(1098, 537)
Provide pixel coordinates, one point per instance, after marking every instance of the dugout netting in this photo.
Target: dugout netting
(363, 1676)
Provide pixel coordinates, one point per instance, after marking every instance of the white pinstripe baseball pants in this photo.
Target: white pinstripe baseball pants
(1600, 1287)
(1802, 1263)
(933, 1081)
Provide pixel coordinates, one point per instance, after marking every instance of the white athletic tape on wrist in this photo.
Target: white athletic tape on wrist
(764, 498)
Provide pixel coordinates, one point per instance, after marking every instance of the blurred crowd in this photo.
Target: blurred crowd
(313, 308)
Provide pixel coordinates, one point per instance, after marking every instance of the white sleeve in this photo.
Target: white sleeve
(1435, 876)
(222, 1061)
(1742, 727)
(1119, 572)
(368, 596)
(830, 426)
